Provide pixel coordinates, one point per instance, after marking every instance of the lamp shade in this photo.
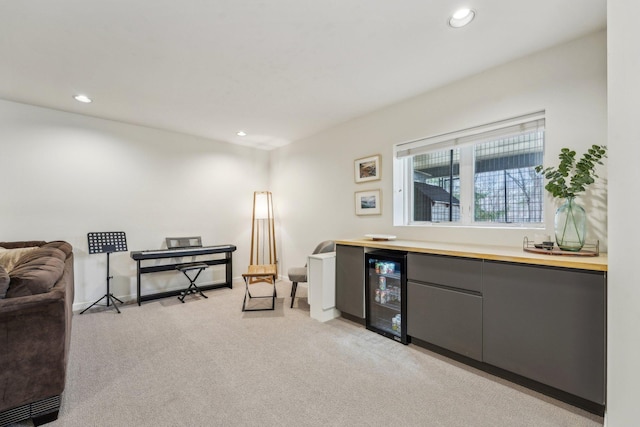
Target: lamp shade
(263, 240)
(261, 209)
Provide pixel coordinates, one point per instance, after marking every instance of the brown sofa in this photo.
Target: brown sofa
(36, 297)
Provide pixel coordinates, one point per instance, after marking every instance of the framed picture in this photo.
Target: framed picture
(367, 169)
(368, 202)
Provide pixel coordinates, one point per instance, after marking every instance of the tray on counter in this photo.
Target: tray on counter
(589, 249)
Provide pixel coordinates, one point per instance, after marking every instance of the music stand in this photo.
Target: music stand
(107, 242)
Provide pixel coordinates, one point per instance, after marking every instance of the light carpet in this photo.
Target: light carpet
(207, 363)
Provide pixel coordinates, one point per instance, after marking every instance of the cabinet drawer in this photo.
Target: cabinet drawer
(462, 273)
(446, 318)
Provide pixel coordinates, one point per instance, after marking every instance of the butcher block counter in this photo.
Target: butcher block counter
(487, 252)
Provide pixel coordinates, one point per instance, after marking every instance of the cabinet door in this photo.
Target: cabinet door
(350, 280)
(446, 318)
(548, 325)
(453, 272)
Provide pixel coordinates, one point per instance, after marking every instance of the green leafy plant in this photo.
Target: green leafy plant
(572, 177)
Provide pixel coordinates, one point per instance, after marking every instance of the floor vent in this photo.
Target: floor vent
(15, 415)
(25, 412)
(45, 406)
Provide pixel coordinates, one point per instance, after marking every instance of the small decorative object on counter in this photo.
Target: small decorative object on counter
(570, 225)
(549, 248)
(380, 237)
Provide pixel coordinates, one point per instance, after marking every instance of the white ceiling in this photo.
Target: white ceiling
(280, 70)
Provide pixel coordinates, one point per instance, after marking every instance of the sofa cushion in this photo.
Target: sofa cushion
(59, 244)
(36, 272)
(4, 282)
(39, 256)
(10, 257)
(22, 244)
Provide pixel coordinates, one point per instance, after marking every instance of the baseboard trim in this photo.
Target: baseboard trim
(353, 318)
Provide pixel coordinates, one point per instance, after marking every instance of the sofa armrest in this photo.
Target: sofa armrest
(34, 337)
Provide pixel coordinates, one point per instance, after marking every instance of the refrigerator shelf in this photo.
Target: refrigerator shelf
(388, 328)
(394, 276)
(394, 306)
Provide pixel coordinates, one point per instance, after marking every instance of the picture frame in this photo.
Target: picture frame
(368, 202)
(367, 169)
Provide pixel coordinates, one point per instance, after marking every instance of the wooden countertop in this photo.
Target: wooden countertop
(489, 252)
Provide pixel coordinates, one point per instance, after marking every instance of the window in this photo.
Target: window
(436, 186)
(480, 176)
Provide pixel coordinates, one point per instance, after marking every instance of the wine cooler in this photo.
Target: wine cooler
(386, 289)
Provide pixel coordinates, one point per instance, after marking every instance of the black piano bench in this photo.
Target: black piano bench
(192, 289)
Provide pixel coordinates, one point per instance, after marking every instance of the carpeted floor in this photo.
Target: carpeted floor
(207, 363)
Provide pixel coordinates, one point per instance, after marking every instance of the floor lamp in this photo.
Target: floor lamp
(263, 238)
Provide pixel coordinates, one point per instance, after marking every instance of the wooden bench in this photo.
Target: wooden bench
(257, 273)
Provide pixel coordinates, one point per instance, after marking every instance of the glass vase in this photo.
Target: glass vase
(570, 225)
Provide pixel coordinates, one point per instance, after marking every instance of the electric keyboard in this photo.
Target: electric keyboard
(180, 252)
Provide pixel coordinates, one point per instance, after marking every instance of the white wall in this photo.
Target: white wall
(66, 175)
(314, 178)
(623, 367)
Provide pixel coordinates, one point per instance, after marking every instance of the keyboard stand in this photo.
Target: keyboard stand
(220, 255)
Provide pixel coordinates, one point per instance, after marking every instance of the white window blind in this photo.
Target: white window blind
(486, 132)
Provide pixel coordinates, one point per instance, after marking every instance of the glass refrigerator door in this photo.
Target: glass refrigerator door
(385, 294)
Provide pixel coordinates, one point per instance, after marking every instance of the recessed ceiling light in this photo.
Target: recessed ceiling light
(241, 133)
(83, 98)
(462, 17)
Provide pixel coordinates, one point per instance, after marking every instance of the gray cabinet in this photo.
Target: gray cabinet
(547, 324)
(453, 272)
(444, 302)
(350, 280)
(447, 318)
